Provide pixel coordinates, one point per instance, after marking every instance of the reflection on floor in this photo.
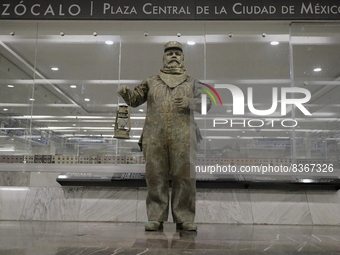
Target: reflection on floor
(63, 238)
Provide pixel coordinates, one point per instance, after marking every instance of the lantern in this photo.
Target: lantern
(122, 123)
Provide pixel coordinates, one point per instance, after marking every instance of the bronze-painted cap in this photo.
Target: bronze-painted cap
(173, 45)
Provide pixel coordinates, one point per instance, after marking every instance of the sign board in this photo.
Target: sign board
(170, 10)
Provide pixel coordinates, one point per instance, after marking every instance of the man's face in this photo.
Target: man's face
(173, 59)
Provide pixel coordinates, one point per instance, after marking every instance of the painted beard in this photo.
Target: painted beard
(173, 64)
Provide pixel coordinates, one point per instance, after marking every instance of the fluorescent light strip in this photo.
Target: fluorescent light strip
(243, 138)
(80, 128)
(77, 136)
(16, 128)
(68, 82)
(72, 117)
(197, 118)
(233, 137)
(39, 105)
(62, 117)
(135, 82)
(86, 137)
(269, 130)
(72, 121)
(14, 189)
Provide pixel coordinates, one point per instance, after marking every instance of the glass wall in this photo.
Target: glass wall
(17, 78)
(59, 79)
(244, 58)
(315, 48)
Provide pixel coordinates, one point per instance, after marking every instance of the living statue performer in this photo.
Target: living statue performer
(169, 139)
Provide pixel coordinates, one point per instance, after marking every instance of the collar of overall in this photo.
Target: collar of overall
(173, 76)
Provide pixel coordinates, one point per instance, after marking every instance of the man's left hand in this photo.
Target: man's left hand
(182, 102)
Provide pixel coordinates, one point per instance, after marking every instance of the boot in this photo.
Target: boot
(153, 225)
(187, 226)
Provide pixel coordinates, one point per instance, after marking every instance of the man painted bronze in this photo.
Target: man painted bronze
(169, 138)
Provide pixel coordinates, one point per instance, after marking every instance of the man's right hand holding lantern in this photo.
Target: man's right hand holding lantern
(123, 90)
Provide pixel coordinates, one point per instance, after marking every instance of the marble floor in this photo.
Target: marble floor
(93, 238)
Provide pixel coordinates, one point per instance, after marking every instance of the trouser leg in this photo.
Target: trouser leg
(183, 199)
(156, 175)
(183, 196)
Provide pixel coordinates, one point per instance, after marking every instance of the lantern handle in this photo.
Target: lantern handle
(116, 122)
(129, 120)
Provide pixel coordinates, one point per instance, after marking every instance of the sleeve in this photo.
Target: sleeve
(138, 95)
(196, 100)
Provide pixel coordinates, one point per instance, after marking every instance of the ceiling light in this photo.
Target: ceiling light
(274, 43)
(87, 99)
(141, 110)
(318, 69)
(307, 180)
(229, 110)
(54, 68)
(10, 86)
(73, 86)
(5, 109)
(32, 99)
(74, 125)
(109, 42)
(191, 43)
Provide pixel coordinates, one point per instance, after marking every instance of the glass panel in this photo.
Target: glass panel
(75, 91)
(74, 107)
(17, 65)
(247, 61)
(315, 51)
